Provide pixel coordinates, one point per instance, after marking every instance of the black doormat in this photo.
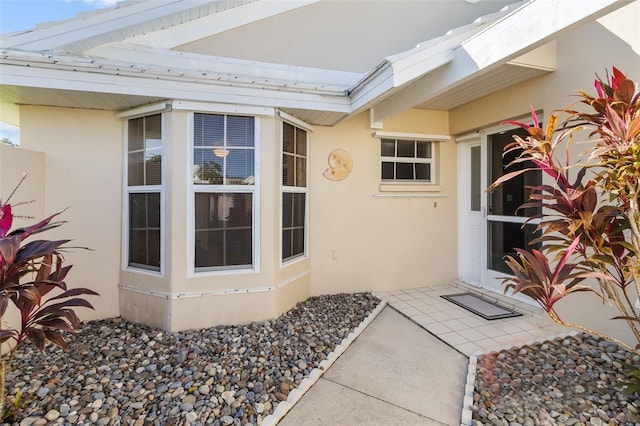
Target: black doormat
(482, 307)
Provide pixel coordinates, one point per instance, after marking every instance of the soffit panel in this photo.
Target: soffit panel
(72, 99)
(343, 35)
(482, 85)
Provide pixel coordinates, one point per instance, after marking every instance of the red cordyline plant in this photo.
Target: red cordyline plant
(590, 220)
(32, 279)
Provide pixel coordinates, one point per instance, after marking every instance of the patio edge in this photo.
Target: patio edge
(296, 394)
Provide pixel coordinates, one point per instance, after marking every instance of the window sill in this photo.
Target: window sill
(409, 187)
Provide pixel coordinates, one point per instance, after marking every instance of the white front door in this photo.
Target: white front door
(471, 211)
(491, 223)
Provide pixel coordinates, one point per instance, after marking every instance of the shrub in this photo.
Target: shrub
(32, 280)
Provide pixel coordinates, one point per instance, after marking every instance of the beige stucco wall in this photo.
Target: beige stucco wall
(13, 163)
(366, 240)
(83, 172)
(581, 54)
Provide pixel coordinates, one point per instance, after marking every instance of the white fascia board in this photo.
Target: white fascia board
(390, 77)
(50, 37)
(172, 61)
(531, 26)
(218, 23)
(177, 88)
(521, 31)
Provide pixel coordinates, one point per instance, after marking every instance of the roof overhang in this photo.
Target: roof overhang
(442, 73)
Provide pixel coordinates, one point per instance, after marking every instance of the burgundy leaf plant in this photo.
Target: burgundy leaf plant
(32, 280)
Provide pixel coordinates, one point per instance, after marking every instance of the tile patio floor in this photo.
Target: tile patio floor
(465, 331)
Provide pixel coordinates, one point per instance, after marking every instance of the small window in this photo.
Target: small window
(144, 186)
(406, 160)
(294, 191)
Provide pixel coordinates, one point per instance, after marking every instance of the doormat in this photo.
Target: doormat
(482, 307)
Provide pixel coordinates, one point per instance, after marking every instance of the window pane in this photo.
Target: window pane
(288, 169)
(301, 142)
(475, 183)
(207, 167)
(404, 171)
(136, 134)
(388, 148)
(152, 130)
(135, 173)
(424, 149)
(153, 167)
(288, 144)
(287, 209)
(301, 172)
(287, 244)
(240, 131)
(423, 171)
(406, 149)
(298, 242)
(239, 167)
(144, 230)
(388, 170)
(238, 247)
(298, 209)
(208, 130)
(223, 229)
(209, 250)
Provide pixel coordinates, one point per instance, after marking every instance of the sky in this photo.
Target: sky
(16, 15)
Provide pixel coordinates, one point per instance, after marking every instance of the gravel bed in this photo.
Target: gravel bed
(565, 381)
(119, 373)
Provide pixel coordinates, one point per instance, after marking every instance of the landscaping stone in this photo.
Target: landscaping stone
(117, 372)
(566, 381)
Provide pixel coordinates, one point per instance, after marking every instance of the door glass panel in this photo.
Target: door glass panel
(504, 237)
(506, 199)
(475, 183)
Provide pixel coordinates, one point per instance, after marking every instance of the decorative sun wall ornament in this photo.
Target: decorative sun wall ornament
(340, 165)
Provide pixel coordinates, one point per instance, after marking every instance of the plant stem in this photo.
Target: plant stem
(554, 316)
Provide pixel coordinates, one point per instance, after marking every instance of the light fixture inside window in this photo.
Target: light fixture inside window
(221, 152)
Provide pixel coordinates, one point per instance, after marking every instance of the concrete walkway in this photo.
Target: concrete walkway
(395, 373)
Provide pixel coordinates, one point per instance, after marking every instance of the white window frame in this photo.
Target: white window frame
(408, 184)
(201, 188)
(142, 189)
(297, 124)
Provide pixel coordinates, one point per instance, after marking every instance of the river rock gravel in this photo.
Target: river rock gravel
(564, 381)
(119, 373)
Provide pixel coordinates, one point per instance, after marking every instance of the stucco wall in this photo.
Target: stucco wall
(581, 54)
(83, 173)
(365, 240)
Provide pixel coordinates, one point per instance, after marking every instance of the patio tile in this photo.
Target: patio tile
(428, 309)
(472, 334)
(468, 348)
(404, 296)
(473, 321)
(416, 303)
(441, 316)
(424, 319)
(400, 304)
(455, 324)
(453, 338)
(438, 328)
(410, 311)
(490, 330)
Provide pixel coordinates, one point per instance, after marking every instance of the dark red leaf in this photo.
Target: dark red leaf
(37, 337)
